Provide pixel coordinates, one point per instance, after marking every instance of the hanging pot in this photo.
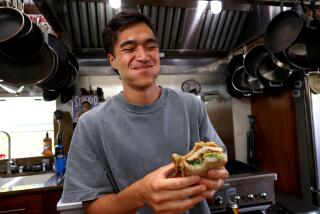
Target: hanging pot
(33, 71)
(26, 47)
(235, 63)
(11, 22)
(272, 76)
(296, 55)
(73, 59)
(283, 31)
(281, 60)
(73, 68)
(239, 83)
(231, 90)
(73, 74)
(62, 76)
(253, 59)
(253, 83)
(67, 93)
(50, 95)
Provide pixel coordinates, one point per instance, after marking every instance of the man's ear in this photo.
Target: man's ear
(111, 60)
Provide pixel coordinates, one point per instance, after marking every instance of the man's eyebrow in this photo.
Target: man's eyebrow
(133, 42)
(151, 40)
(128, 42)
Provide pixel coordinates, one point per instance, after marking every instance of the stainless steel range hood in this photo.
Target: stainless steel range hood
(181, 29)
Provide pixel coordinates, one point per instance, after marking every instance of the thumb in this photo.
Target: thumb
(167, 170)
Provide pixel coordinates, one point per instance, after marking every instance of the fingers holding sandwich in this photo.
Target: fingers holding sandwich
(170, 194)
(207, 160)
(214, 181)
(203, 157)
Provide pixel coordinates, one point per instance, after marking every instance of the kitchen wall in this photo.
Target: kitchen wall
(228, 115)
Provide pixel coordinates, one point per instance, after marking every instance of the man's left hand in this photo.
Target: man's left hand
(214, 181)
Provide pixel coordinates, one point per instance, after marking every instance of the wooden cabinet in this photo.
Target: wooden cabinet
(39, 202)
(276, 138)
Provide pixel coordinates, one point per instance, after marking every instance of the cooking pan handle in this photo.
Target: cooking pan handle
(257, 91)
(246, 94)
(275, 84)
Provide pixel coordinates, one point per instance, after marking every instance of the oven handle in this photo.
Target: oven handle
(261, 208)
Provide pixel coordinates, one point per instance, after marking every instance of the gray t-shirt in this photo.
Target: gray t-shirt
(117, 143)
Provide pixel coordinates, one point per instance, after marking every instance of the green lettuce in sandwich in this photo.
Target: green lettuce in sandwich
(203, 157)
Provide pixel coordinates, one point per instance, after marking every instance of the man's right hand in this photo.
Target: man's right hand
(165, 194)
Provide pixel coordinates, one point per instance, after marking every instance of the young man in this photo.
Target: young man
(120, 156)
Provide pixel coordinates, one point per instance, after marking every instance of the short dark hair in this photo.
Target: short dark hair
(118, 23)
(86, 102)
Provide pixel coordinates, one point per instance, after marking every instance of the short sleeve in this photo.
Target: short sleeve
(86, 176)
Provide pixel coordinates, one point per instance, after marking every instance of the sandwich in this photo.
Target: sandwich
(203, 157)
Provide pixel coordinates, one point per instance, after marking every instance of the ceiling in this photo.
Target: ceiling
(181, 29)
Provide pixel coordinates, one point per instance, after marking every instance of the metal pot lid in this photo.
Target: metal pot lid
(32, 71)
(314, 82)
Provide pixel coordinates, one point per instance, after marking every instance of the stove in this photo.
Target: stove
(247, 189)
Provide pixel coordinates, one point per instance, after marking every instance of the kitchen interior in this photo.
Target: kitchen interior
(261, 90)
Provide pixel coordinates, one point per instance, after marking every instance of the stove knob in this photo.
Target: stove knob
(263, 195)
(218, 201)
(236, 198)
(251, 197)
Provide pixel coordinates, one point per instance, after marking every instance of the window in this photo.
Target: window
(26, 119)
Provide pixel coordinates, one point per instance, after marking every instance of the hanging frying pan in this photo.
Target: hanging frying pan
(50, 95)
(272, 76)
(283, 31)
(231, 90)
(235, 63)
(26, 47)
(253, 83)
(239, 83)
(296, 55)
(73, 59)
(67, 93)
(11, 22)
(253, 59)
(61, 78)
(73, 74)
(32, 71)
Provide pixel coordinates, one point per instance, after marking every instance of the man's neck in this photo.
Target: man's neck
(142, 97)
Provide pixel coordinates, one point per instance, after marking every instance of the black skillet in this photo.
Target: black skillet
(283, 30)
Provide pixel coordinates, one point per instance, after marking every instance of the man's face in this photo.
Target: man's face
(136, 56)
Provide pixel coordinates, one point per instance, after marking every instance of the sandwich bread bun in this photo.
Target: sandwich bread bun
(203, 157)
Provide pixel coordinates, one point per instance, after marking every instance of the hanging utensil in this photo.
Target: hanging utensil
(251, 141)
(283, 30)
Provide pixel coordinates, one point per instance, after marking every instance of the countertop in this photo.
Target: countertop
(48, 185)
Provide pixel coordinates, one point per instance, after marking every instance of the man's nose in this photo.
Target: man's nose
(142, 54)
